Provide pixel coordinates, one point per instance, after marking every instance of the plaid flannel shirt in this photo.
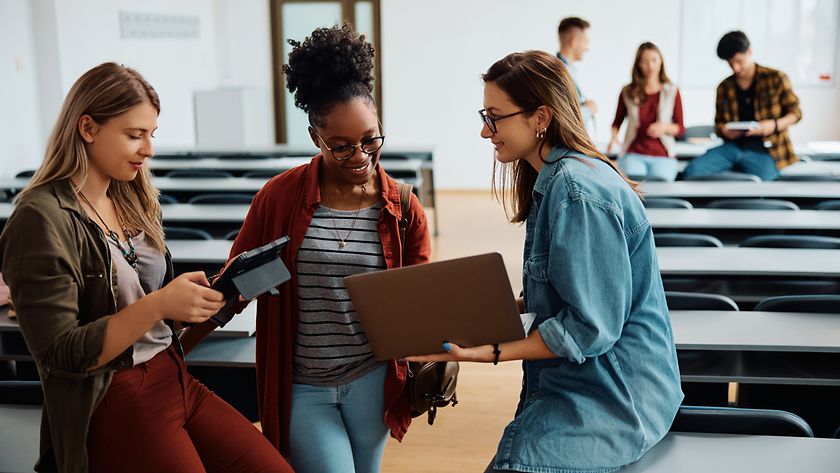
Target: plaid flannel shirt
(774, 98)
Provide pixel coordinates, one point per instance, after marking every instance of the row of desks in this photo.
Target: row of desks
(713, 346)
(682, 219)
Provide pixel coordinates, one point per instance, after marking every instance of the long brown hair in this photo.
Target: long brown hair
(635, 90)
(104, 92)
(533, 79)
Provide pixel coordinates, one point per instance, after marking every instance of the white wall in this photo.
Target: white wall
(20, 121)
(435, 50)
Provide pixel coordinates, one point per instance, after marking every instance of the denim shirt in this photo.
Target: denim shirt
(592, 278)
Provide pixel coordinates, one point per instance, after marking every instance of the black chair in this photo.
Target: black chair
(198, 174)
(752, 204)
(726, 176)
(686, 239)
(792, 241)
(741, 421)
(27, 173)
(184, 233)
(226, 198)
(698, 301)
(4, 197)
(828, 205)
(809, 178)
(823, 304)
(646, 178)
(165, 199)
(697, 131)
(666, 203)
(231, 235)
(262, 173)
(21, 392)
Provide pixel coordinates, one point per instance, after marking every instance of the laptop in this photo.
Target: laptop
(413, 310)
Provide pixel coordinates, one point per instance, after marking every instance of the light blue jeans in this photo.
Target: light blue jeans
(731, 156)
(339, 429)
(641, 166)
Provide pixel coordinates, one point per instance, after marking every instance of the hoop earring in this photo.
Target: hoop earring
(541, 134)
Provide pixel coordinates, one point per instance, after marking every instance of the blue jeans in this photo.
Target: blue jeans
(642, 166)
(729, 156)
(338, 429)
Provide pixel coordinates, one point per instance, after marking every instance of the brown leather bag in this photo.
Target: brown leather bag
(429, 384)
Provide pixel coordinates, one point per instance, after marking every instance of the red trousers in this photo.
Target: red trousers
(156, 417)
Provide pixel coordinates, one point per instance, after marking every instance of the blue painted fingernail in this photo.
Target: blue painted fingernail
(447, 346)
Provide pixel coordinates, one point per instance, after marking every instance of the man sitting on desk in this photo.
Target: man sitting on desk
(754, 108)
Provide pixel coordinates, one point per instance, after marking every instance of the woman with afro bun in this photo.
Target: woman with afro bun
(325, 401)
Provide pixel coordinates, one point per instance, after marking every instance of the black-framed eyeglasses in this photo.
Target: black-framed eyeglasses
(344, 152)
(490, 121)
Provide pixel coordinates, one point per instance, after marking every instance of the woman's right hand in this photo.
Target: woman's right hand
(188, 298)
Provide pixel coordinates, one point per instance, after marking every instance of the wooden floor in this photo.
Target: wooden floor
(464, 437)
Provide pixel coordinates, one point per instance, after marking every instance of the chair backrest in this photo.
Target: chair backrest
(226, 198)
(198, 174)
(699, 131)
(698, 301)
(231, 235)
(686, 239)
(646, 178)
(726, 176)
(666, 203)
(738, 420)
(792, 241)
(828, 205)
(21, 392)
(27, 173)
(185, 233)
(823, 304)
(809, 177)
(262, 173)
(752, 204)
(166, 199)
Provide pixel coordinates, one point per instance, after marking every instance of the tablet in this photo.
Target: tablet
(250, 274)
(741, 126)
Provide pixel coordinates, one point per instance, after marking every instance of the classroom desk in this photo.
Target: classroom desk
(758, 347)
(733, 226)
(721, 190)
(703, 453)
(405, 167)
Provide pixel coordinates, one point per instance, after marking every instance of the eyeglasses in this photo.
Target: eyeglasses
(344, 152)
(490, 121)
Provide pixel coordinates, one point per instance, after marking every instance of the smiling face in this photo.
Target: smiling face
(515, 136)
(118, 148)
(353, 122)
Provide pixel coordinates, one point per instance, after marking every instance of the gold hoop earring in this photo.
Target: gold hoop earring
(541, 134)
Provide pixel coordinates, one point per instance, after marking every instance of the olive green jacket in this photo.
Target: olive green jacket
(57, 264)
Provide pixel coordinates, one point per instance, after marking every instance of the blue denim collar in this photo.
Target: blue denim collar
(550, 167)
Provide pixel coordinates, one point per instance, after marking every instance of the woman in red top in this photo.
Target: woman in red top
(325, 401)
(652, 105)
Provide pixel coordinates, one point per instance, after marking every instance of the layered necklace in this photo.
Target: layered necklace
(342, 242)
(129, 252)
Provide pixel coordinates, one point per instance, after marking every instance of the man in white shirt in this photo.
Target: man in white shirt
(573, 33)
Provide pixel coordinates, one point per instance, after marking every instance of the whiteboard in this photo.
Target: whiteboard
(798, 37)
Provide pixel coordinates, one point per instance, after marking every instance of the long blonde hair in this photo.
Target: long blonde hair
(104, 92)
(533, 79)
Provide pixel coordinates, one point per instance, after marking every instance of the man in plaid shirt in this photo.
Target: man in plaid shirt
(753, 93)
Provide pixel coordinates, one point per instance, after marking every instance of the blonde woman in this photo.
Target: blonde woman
(84, 256)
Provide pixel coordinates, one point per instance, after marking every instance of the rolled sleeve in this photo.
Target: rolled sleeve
(589, 268)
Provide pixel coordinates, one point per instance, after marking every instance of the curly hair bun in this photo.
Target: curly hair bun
(331, 65)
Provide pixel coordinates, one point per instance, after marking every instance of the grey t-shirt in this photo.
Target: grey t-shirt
(133, 285)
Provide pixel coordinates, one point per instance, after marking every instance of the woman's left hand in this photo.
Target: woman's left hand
(453, 352)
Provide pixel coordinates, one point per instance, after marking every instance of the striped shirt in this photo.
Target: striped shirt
(331, 347)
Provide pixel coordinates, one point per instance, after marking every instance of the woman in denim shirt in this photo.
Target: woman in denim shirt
(601, 382)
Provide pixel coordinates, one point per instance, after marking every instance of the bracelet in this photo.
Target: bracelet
(776, 121)
(496, 353)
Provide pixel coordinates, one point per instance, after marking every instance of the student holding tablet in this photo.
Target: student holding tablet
(601, 381)
(755, 107)
(325, 401)
(652, 105)
(84, 256)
